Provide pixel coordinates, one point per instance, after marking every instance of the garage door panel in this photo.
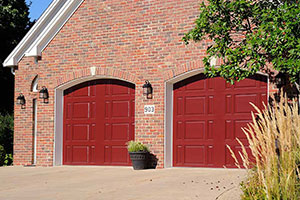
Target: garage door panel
(80, 154)
(120, 131)
(92, 155)
(194, 155)
(179, 130)
(194, 129)
(247, 83)
(210, 105)
(68, 132)
(120, 108)
(228, 103)
(233, 129)
(238, 125)
(68, 110)
(92, 110)
(81, 92)
(210, 84)
(194, 105)
(120, 90)
(80, 110)
(80, 132)
(107, 132)
(98, 121)
(178, 155)
(180, 106)
(132, 107)
(68, 154)
(210, 130)
(92, 132)
(209, 153)
(107, 155)
(229, 161)
(242, 102)
(107, 111)
(229, 129)
(119, 154)
(263, 98)
(198, 85)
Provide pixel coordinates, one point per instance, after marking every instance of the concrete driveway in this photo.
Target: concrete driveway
(120, 183)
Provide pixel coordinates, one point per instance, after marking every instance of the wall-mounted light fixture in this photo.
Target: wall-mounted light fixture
(148, 90)
(21, 100)
(44, 94)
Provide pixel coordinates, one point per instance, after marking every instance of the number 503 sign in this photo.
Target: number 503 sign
(149, 109)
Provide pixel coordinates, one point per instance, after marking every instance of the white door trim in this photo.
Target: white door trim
(34, 131)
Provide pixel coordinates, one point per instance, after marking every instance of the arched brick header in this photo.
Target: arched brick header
(96, 71)
(189, 66)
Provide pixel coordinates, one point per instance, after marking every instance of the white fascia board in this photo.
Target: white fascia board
(43, 31)
(16, 55)
(53, 27)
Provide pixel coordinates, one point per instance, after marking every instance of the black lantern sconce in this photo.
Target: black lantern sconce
(148, 90)
(21, 101)
(44, 94)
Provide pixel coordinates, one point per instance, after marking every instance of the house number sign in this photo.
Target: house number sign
(149, 109)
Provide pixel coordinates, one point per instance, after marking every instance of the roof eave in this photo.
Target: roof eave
(43, 31)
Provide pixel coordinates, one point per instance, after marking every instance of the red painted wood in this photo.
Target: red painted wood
(98, 121)
(208, 114)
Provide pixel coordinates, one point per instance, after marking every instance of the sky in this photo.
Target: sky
(37, 8)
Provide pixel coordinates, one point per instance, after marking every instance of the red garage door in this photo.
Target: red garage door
(208, 114)
(98, 121)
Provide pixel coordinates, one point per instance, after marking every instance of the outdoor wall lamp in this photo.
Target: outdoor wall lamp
(44, 94)
(21, 100)
(148, 90)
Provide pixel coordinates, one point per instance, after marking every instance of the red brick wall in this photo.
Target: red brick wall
(135, 40)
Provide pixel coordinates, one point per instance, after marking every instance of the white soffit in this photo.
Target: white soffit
(43, 31)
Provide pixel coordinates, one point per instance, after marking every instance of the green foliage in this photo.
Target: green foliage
(14, 24)
(134, 146)
(249, 36)
(2, 155)
(251, 188)
(6, 132)
(8, 160)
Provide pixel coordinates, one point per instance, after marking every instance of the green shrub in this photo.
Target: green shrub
(134, 146)
(6, 132)
(274, 141)
(8, 160)
(2, 155)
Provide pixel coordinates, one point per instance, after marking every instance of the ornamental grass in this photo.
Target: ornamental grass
(274, 141)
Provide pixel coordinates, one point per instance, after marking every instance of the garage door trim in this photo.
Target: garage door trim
(58, 113)
(168, 113)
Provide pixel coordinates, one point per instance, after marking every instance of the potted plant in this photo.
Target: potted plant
(139, 154)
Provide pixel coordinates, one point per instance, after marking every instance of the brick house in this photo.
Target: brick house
(94, 57)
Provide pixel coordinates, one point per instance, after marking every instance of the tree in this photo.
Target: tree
(249, 36)
(14, 24)
(6, 132)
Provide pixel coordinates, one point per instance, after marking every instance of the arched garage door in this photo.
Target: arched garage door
(98, 121)
(208, 114)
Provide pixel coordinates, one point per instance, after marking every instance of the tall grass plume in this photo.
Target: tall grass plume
(274, 141)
